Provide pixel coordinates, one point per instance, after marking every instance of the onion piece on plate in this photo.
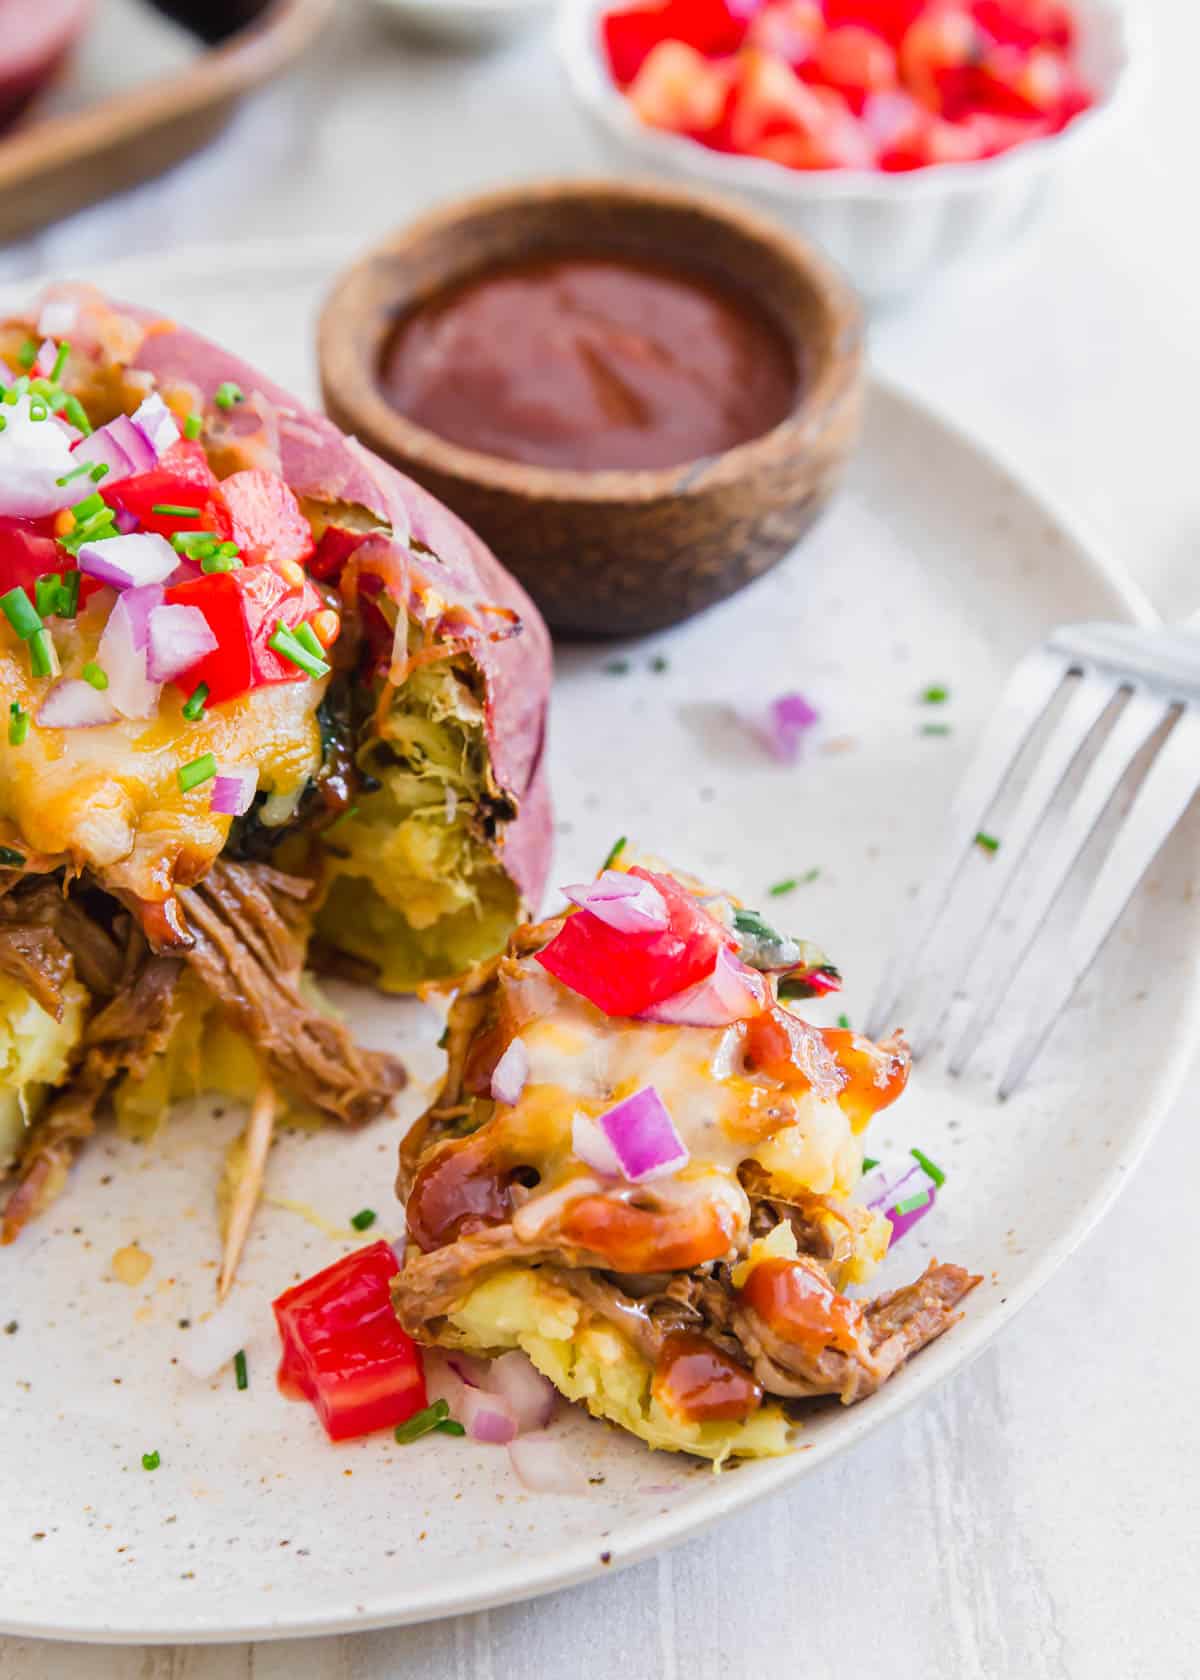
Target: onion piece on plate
(510, 1073)
(488, 1417)
(732, 992)
(545, 1464)
(639, 1136)
(233, 790)
(531, 1396)
(131, 562)
(177, 637)
(212, 1344)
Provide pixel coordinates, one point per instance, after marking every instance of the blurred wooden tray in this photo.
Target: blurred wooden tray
(53, 165)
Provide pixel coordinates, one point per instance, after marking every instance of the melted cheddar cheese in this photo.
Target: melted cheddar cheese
(108, 799)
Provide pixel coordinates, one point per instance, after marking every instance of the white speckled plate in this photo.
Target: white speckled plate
(934, 566)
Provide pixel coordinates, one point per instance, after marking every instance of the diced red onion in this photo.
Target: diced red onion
(210, 1346)
(156, 423)
(732, 992)
(442, 1382)
(471, 1370)
(488, 1417)
(886, 1186)
(643, 1137)
(122, 654)
(531, 1396)
(58, 317)
(126, 522)
(233, 791)
(75, 704)
(129, 562)
(510, 1073)
(781, 727)
(590, 1143)
(121, 446)
(624, 902)
(545, 1464)
(178, 637)
(46, 358)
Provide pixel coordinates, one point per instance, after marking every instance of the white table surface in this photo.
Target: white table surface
(1038, 1519)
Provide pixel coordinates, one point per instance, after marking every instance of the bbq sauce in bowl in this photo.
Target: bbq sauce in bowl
(587, 362)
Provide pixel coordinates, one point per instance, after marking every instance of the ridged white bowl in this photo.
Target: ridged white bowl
(462, 23)
(889, 232)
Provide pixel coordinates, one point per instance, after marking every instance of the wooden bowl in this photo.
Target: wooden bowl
(614, 552)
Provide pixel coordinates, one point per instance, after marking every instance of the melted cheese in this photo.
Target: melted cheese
(108, 799)
(582, 1061)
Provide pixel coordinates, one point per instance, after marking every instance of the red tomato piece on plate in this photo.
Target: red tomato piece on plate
(267, 520)
(343, 1347)
(625, 973)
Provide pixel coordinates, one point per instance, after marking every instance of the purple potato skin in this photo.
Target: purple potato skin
(320, 465)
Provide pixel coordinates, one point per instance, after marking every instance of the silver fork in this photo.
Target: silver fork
(1150, 680)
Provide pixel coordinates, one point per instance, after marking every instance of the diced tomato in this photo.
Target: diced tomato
(1017, 84)
(334, 549)
(856, 62)
(267, 521)
(770, 99)
(624, 973)
(791, 31)
(678, 89)
(889, 18)
(1027, 23)
(28, 551)
(182, 478)
(938, 56)
(837, 140)
(713, 27)
(244, 609)
(343, 1347)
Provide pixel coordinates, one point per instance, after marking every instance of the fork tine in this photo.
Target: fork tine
(1140, 718)
(1091, 698)
(1026, 696)
(1163, 797)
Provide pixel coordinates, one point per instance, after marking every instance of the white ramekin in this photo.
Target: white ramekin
(889, 232)
(462, 23)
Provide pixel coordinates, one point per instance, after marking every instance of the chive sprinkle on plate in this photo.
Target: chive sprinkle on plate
(987, 842)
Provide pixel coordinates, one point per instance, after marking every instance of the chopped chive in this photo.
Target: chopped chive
(935, 729)
(175, 510)
(193, 706)
(200, 770)
(68, 594)
(844, 1022)
(869, 1161)
(60, 363)
(90, 505)
(422, 1422)
(931, 1167)
(240, 1373)
(988, 842)
(43, 657)
(185, 542)
(449, 1426)
(364, 1219)
(96, 675)
(935, 695)
(20, 612)
(614, 854)
(228, 394)
(229, 550)
(660, 663)
(3, 424)
(284, 643)
(38, 410)
(151, 1461)
(308, 638)
(11, 859)
(28, 353)
(617, 667)
(100, 471)
(47, 591)
(910, 1203)
(192, 427)
(18, 725)
(77, 415)
(217, 563)
(781, 887)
